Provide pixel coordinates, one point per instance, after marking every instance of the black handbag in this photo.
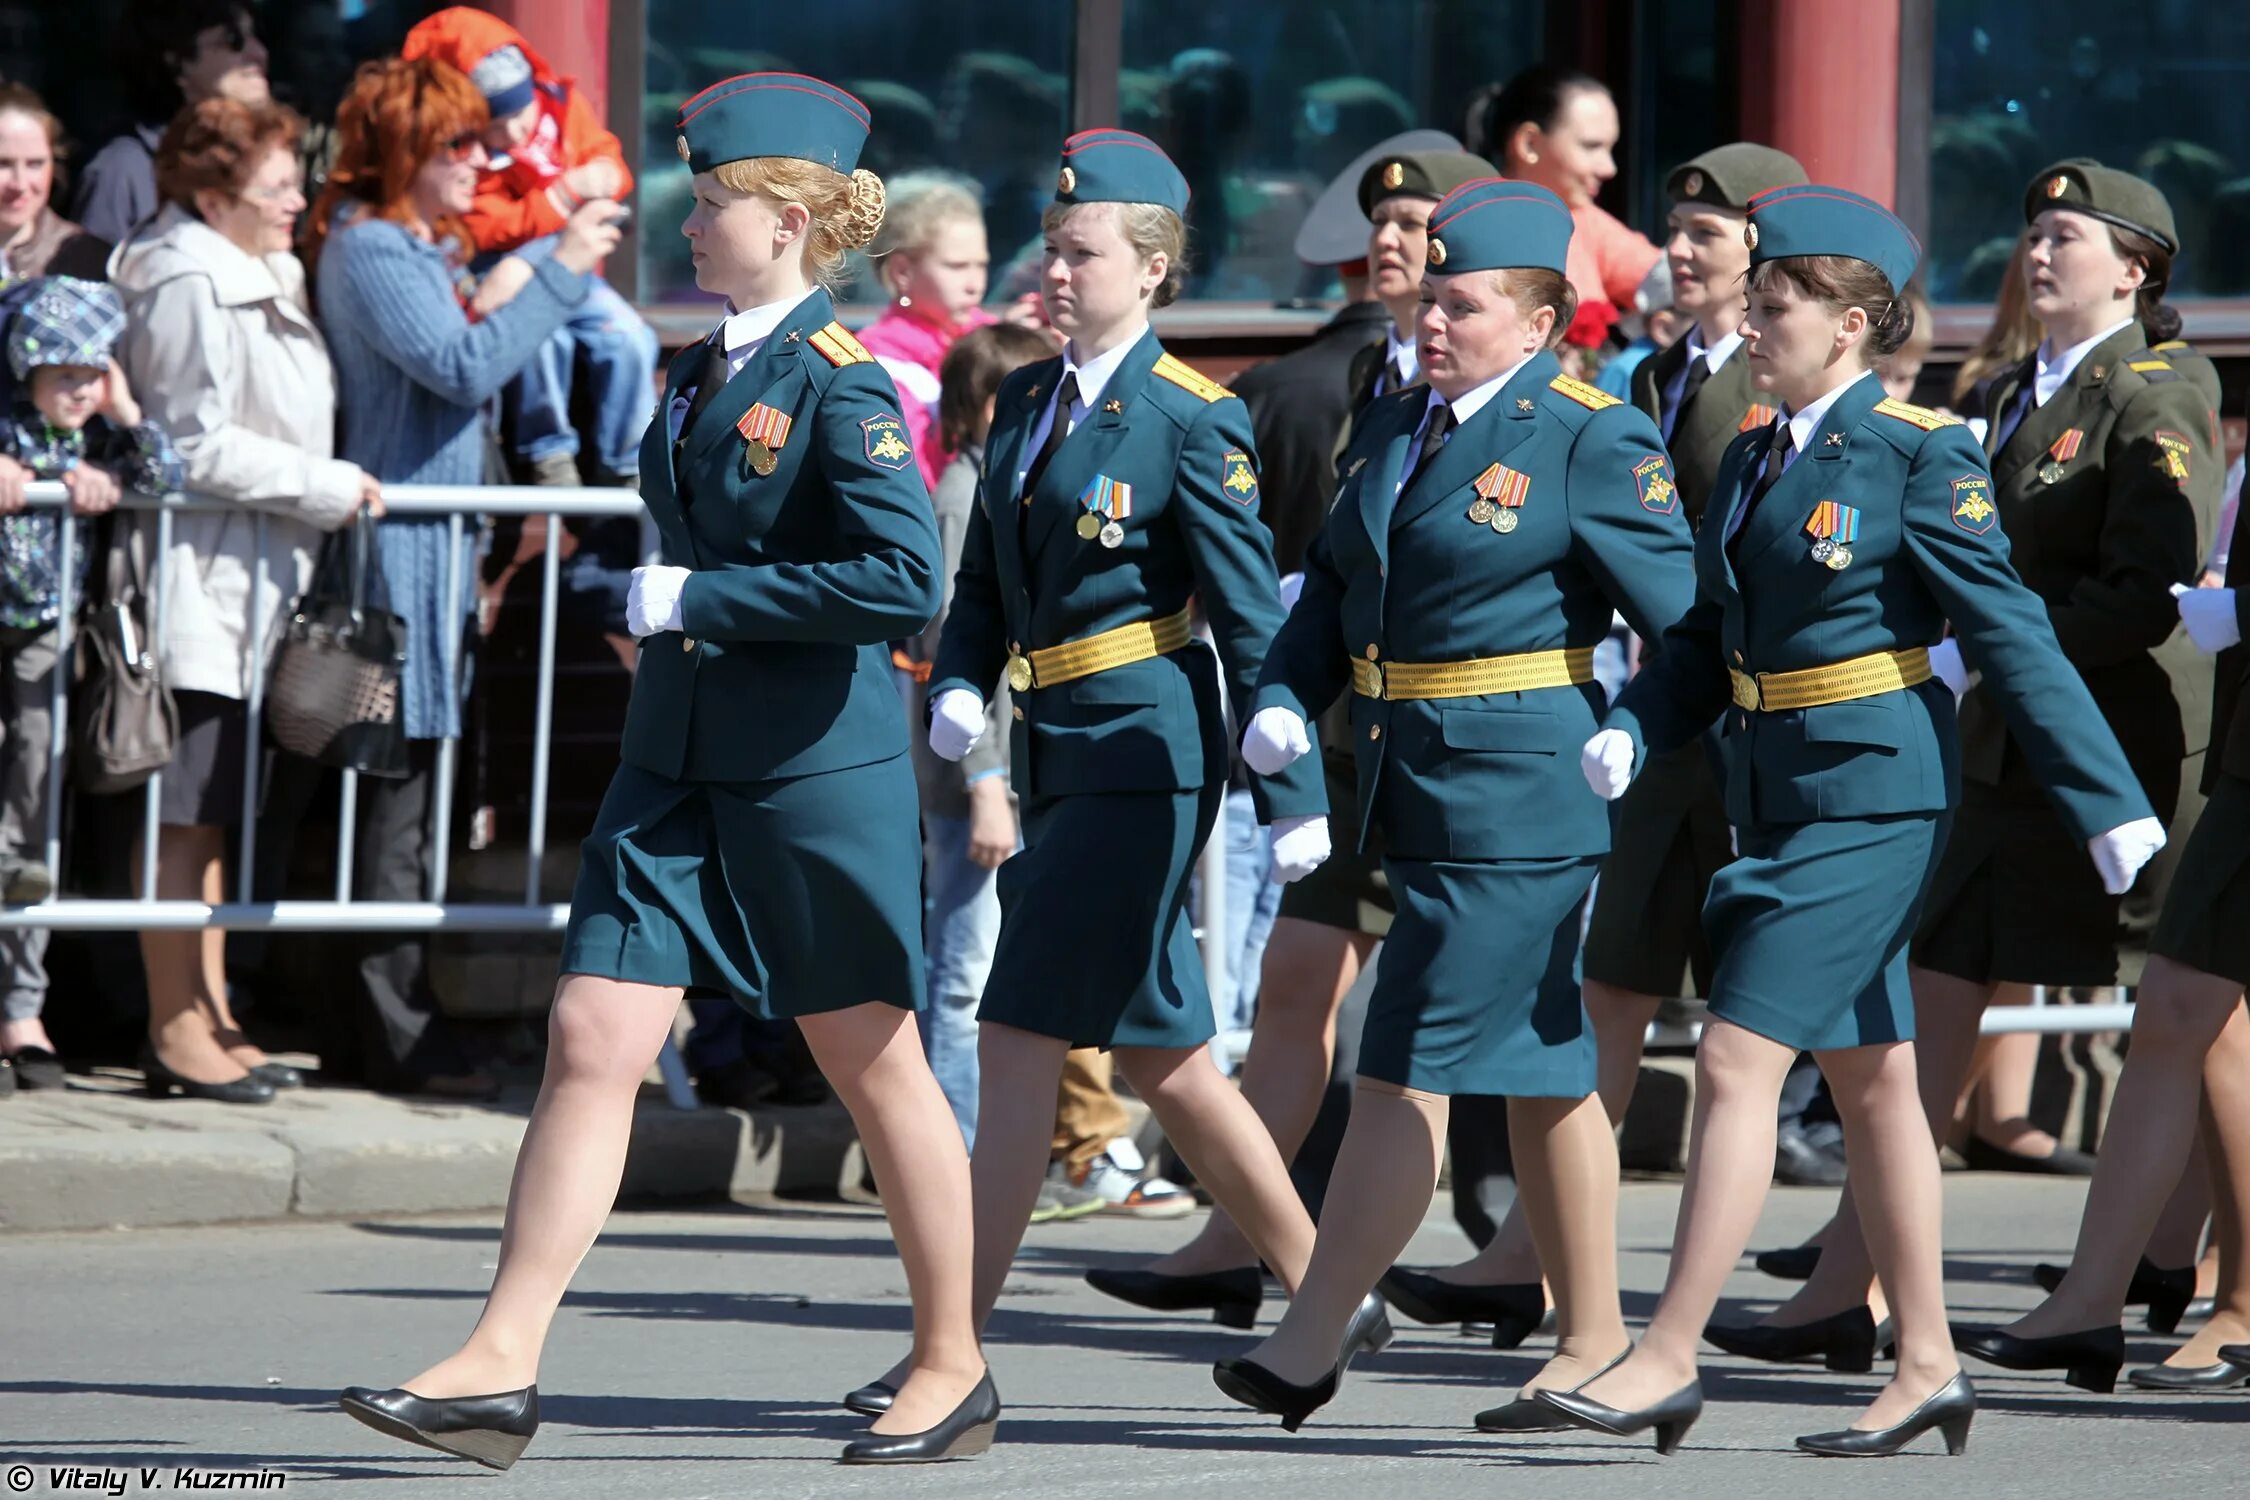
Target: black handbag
(335, 694)
(124, 724)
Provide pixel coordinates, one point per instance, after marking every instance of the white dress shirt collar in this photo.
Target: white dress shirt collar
(1401, 354)
(2053, 370)
(1094, 374)
(1803, 424)
(1717, 354)
(742, 334)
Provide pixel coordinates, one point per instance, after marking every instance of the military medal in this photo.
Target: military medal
(760, 457)
(1757, 415)
(1104, 504)
(1113, 536)
(763, 431)
(1833, 528)
(1089, 525)
(2065, 449)
(1500, 490)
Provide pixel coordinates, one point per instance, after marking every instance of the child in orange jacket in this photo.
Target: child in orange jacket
(549, 154)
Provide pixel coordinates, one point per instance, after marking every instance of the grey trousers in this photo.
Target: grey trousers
(27, 681)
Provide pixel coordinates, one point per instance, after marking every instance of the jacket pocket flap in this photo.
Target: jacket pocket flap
(1862, 723)
(1472, 729)
(1126, 688)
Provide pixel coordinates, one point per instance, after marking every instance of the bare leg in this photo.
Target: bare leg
(1621, 1020)
(180, 1022)
(2002, 1113)
(1895, 1188)
(1947, 1012)
(2226, 1130)
(1566, 1179)
(601, 1037)
(872, 1055)
(1309, 968)
(1225, 1144)
(2180, 1013)
(1730, 1167)
(1387, 1169)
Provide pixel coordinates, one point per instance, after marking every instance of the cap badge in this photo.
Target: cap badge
(2057, 186)
(1694, 184)
(1437, 252)
(1067, 182)
(681, 143)
(1750, 235)
(1393, 175)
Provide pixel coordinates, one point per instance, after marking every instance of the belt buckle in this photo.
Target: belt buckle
(1748, 695)
(1019, 672)
(1382, 671)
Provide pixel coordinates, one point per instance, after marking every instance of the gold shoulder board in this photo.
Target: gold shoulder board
(1593, 398)
(1188, 378)
(838, 347)
(1920, 416)
(2146, 365)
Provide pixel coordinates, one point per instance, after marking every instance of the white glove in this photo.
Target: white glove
(2209, 617)
(956, 723)
(1292, 584)
(1607, 761)
(1300, 845)
(1275, 737)
(652, 604)
(2120, 853)
(1946, 665)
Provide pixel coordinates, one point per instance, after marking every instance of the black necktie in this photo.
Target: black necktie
(2018, 407)
(1434, 433)
(1066, 397)
(1698, 371)
(716, 372)
(1777, 459)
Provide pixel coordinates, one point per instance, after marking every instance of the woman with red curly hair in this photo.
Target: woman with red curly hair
(414, 374)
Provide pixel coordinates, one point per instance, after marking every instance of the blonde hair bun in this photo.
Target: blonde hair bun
(863, 215)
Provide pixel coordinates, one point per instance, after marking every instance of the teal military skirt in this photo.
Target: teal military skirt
(1670, 838)
(1811, 925)
(2206, 920)
(794, 896)
(1096, 943)
(1477, 991)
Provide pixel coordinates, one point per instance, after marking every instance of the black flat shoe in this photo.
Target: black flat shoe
(38, 1068)
(1950, 1410)
(1982, 1156)
(2169, 1295)
(1232, 1296)
(279, 1074)
(1671, 1417)
(493, 1430)
(160, 1081)
(1525, 1414)
(2238, 1353)
(1514, 1309)
(871, 1399)
(2223, 1376)
(1793, 1264)
(963, 1434)
(2090, 1359)
(1845, 1342)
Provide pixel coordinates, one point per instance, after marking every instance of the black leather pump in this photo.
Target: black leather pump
(1255, 1386)
(160, 1081)
(1950, 1410)
(966, 1432)
(493, 1430)
(2089, 1359)
(1845, 1342)
(1670, 1417)
(1525, 1414)
(1232, 1296)
(1792, 1264)
(1514, 1309)
(871, 1399)
(2169, 1295)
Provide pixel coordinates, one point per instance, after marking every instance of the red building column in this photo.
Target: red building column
(1820, 80)
(573, 38)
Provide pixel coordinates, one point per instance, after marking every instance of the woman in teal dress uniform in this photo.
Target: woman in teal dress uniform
(1118, 482)
(761, 837)
(1487, 529)
(1837, 546)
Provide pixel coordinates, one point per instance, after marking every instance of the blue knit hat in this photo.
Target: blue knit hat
(1117, 166)
(1814, 219)
(65, 322)
(503, 76)
(772, 114)
(1499, 224)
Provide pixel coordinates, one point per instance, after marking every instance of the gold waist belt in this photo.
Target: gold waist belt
(1140, 641)
(1517, 673)
(1861, 677)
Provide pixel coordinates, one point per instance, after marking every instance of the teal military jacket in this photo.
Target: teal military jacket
(1411, 577)
(801, 574)
(1169, 453)
(1929, 548)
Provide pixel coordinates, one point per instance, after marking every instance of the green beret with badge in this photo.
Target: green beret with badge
(1418, 174)
(1730, 176)
(2086, 186)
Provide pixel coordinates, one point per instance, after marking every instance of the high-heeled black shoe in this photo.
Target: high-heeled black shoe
(1255, 1386)
(1792, 1264)
(965, 1432)
(1369, 1331)
(1982, 1156)
(1845, 1342)
(2226, 1375)
(1232, 1296)
(2089, 1359)
(871, 1399)
(160, 1081)
(1950, 1409)
(1671, 1417)
(1514, 1309)
(493, 1430)
(1525, 1414)
(2169, 1295)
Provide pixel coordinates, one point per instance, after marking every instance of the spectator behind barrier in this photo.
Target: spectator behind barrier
(934, 264)
(548, 155)
(222, 347)
(34, 239)
(169, 54)
(71, 415)
(414, 372)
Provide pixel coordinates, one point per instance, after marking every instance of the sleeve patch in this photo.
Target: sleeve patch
(1973, 510)
(1593, 398)
(886, 441)
(1238, 478)
(838, 347)
(1652, 477)
(2172, 456)
(1920, 416)
(1190, 379)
